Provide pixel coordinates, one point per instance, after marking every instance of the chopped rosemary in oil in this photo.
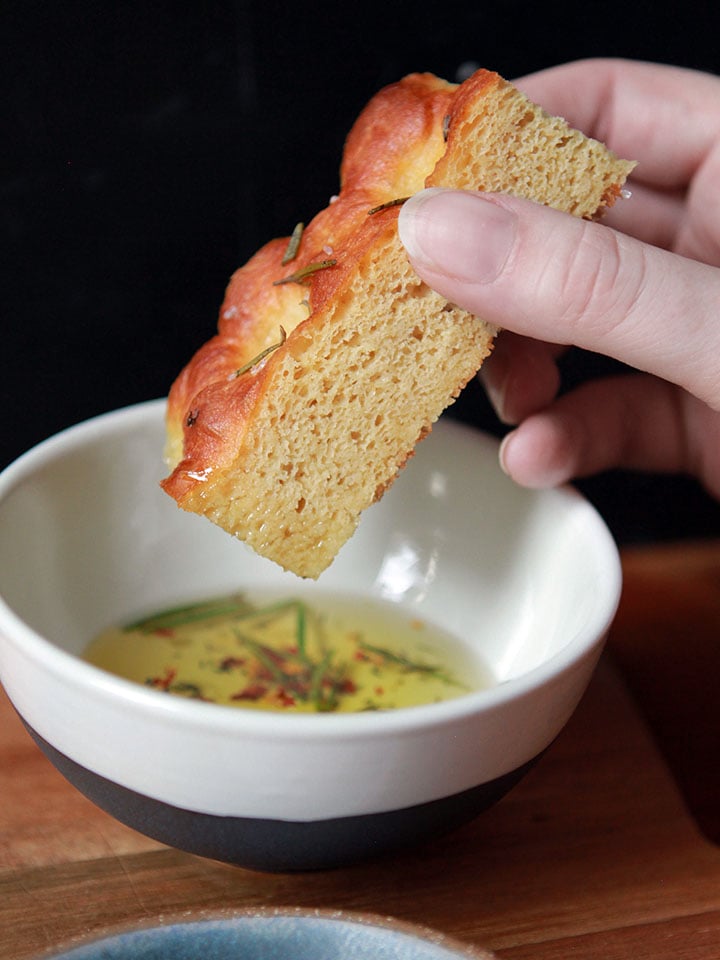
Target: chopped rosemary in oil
(332, 655)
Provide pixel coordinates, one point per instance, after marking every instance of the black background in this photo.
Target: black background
(150, 148)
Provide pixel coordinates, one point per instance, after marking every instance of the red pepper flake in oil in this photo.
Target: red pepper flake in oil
(255, 691)
(164, 682)
(284, 699)
(229, 663)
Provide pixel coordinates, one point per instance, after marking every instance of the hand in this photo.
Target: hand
(643, 286)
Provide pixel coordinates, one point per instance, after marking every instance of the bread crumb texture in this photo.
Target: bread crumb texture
(362, 357)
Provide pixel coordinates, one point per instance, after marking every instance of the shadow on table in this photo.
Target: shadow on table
(666, 641)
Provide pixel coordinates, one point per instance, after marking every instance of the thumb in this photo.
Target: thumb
(553, 277)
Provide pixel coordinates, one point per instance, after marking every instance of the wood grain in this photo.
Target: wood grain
(596, 854)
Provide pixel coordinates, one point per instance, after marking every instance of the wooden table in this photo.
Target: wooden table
(608, 849)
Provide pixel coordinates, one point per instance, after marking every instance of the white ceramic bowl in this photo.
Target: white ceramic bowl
(87, 538)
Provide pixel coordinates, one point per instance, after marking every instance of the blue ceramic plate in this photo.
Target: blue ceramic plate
(294, 936)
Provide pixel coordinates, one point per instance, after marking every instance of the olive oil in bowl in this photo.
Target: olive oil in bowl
(334, 654)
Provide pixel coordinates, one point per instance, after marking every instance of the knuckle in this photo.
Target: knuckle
(603, 282)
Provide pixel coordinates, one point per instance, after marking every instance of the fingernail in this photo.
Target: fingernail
(493, 375)
(502, 452)
(465, 235)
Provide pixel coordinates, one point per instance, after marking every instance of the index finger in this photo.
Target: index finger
(667, 118)
(536, 271)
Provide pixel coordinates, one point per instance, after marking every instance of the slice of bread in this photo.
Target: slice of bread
(332, 359)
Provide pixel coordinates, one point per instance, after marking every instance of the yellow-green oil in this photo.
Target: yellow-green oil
(332, 654)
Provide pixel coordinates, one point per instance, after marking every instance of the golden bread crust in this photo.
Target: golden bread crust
(287, 454)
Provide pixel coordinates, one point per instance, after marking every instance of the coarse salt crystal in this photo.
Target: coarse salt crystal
(200, 475)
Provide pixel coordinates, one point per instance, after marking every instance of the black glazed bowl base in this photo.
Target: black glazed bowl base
(282, 846)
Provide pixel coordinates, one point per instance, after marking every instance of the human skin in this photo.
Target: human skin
(642, 286)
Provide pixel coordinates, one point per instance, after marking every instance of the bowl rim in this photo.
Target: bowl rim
(61, 664)
(218, 916)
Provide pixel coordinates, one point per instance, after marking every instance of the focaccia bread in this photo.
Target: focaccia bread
(332, 359)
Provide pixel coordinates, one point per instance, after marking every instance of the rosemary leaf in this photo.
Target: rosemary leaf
(301, 275)
(265, 615)
(301, 628)
(406, 663)
(192, 690)
(397, 202)
(189, 613)
(266, 657)
(319, 672)
(293, 244)
(261, 356)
